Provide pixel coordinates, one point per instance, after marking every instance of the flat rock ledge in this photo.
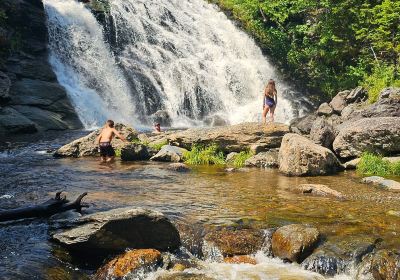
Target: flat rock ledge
(113, 231)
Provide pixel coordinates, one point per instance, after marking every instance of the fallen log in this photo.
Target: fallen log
(54, 205)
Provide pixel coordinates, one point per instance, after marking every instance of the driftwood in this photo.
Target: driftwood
(46, 209)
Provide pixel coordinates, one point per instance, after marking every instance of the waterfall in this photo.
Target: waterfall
(183, 57)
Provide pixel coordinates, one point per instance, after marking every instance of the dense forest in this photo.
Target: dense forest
(327, 45)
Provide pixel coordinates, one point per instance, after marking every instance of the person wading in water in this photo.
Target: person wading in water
(108, 132)
(270, 99)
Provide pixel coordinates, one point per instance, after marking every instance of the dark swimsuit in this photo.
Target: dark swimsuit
(106, 150)
(269, 101)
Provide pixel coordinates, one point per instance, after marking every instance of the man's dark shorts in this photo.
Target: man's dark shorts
(106, 150)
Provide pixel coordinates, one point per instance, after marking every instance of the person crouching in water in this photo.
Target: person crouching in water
(108, 132)
(157, 128)
(270, 99)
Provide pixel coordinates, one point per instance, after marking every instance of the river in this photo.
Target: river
(206, 197)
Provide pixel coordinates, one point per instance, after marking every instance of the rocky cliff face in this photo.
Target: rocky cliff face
(31, 99)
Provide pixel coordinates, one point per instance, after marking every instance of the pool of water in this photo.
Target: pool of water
(207, 196)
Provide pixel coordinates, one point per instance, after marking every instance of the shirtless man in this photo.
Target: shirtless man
(108, 132)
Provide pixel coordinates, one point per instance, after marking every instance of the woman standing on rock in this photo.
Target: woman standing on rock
(270, 99)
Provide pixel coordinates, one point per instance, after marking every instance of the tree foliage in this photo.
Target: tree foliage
(326, 45)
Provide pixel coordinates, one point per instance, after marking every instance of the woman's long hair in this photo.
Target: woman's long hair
(270, 89)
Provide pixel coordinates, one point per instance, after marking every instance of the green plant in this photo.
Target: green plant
(158, 145)
(382, 76)
(118, 152)
(371, 164)
(240, 158)
(201, 155)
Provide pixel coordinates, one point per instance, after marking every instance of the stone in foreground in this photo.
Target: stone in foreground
(377, 135)
(236, 242)
(115, 230)
(87, 146)
(294, 242)
(299, 156)
(128, 263)
(384, 264)
(169, 153)
(134, 152)
(178, 167)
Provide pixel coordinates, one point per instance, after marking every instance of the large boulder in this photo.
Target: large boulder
(87, 146)
(235, 242)
(294, 242)
(324, 109)
(267, 159)
(339, 101)
(128, 263)
(378, 135)
(235, 138)
(134, 151)
(383, 264)
(169, 153)
(299, 156)
(115, 230)
(322, 133)
(302, 125)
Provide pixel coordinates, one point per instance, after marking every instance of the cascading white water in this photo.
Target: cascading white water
(85, 66)
(184, 57)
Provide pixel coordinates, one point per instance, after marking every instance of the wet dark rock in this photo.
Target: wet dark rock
(324, 110)
(11, 121)
(383, 264)
(37, 69)
(322, 133)
(110, 232)
(299, 156)
(231, 242)
(134, 151)
(302, 125)
(339, 101)
(169, 153)
(128, 263)
(5, 85)
(294, 242)
(178, 167)
(162, 117)
(335, 258)
(87, 146)
(378, 135)
(267, 159)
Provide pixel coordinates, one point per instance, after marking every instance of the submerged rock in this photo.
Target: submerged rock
(178, 167)
(169, 153)
(294, 242)
(87, 146)
(134, 151)
(264, 159)
(240, 259)
(383, 264)
(299, 156)
(391, 185)
(113, 231)
(317, 190)
(129, 263)
(236, 241)
(378, 135)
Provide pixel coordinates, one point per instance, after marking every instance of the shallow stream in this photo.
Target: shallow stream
(206, 197)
